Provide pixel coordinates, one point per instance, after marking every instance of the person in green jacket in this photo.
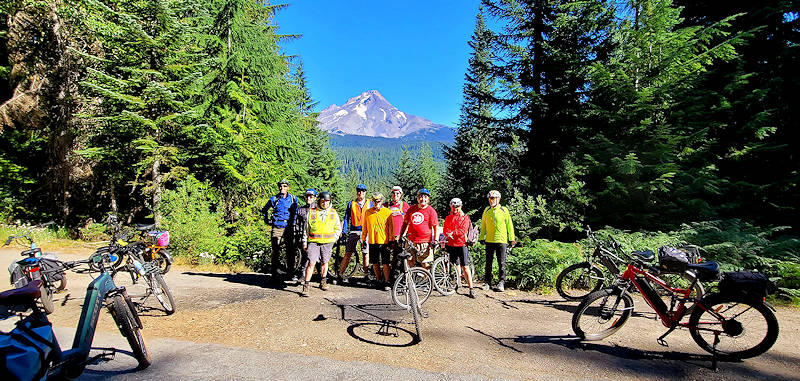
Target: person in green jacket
(497, 230)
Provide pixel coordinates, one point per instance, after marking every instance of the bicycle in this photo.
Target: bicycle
(446, 278)
(154, 244)
(581, 279)
(131, 255)
(43, 266)
(70, 363)
(715, 317)
(408, 287)
(354, 267)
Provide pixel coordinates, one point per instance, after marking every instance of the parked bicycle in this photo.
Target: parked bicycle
(36, 349)
(412, 288)
(603, 266)
(142, 272)
(734, 323)
(37, 265)
(446, 278)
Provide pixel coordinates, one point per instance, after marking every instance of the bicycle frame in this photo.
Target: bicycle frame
(670, 317)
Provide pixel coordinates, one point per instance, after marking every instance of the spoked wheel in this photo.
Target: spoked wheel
(683, 281)
(601, 313)
(356, 266)
(579, 280)
(162, 293)
(422, 281)
(126, 322)
(733, 327)
(47, 299)
(61, 284)
(163, 260)
(415, 306)
(445, 277)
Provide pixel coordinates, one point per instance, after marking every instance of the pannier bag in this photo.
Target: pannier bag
(53, 268)
(25, 351)
(159, 237)
(472, 235)
(746, 283)
(692, 253)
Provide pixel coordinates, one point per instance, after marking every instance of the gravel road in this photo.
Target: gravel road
(235, 326)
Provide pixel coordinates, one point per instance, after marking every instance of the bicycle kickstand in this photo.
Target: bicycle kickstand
(714, 367)
(661, 340)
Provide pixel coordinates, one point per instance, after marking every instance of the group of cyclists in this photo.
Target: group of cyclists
(379, 224)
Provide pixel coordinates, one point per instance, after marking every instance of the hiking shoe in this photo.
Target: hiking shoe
(501, 287)
(305, 290)
(485, 287)
(345, 280)
(323, 285)
(386, 287)
(471, 294)
(334, 281)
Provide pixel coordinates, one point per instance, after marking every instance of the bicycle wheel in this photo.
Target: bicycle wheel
(444, 276)
(579, 280)
(600, 314)
(682, 280)
(47, 299)
(124, 318)
(61, 284)
(162, 293)
(742, 328)
(423, 282)
(162, 259)
(415, 311)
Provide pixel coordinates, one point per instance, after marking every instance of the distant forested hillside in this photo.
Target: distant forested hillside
(372, 160)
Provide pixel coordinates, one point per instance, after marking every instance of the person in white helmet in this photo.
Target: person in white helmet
(497, 230)
(456, 226)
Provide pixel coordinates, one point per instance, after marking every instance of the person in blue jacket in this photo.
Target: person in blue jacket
(284, 211)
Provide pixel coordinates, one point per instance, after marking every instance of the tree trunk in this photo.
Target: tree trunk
(157, 189)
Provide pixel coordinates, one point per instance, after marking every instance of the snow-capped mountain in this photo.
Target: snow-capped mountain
(370, 114)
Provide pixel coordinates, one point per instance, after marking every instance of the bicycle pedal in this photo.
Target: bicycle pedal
(423, 314)
(662, 342)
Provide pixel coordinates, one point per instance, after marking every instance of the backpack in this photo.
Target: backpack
(472, 235)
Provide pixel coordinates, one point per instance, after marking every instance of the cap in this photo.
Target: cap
(324, 196)
(397, 188)
(424, 191)
(311, 192)
(283, 181)
(456, 202)
(361, 187)
(377, 197)
(493, 194)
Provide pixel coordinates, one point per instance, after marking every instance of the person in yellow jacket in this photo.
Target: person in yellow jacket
(378, 227)
(497, 230)
(323, 227)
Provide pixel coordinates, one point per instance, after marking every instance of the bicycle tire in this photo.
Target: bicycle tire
(163, 263)
(443, 273)
(683, 280)
(423, 282)
(733, 328)
(61, 284)
(124, 319)
(601, 314)
(46, 299)
(415, 312)
(162, 293)
(587, 277)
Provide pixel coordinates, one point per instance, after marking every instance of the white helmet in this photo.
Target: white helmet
(456, 202)
(493, 194)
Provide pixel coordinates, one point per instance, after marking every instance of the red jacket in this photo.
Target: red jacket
(458, 226)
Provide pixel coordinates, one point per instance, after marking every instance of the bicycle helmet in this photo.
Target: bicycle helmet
(283, 181)
(361, 187)
(377, 197)
(397, 189)
(493, 194)
(311, 192)
(456, 202)
(424, 191)
(324, 196)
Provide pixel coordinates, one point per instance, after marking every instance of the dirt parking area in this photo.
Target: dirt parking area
(513, 335)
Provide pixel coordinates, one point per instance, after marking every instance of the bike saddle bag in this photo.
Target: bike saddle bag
(746, 283)
(671, 259)
(26, 350)
(706, 271)
(53, 268)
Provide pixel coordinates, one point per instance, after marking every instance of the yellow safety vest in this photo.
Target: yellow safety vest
(322, 228)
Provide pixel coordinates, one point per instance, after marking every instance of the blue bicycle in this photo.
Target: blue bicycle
(34, 333)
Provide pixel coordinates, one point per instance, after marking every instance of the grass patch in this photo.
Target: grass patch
(224, 268)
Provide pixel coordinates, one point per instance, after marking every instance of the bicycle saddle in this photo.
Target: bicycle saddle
(706, 271)
(645, 255)
(24, 295)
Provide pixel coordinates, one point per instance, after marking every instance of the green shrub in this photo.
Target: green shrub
(537, 264)
(93, 232)
(194, 219)
(249, 243)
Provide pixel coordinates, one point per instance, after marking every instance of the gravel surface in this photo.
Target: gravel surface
(510, 335)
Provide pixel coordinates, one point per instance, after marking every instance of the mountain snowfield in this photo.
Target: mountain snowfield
(370, 114)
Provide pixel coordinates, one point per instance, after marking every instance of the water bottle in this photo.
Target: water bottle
(139, 267)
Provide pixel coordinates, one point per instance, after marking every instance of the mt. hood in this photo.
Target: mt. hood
(370, 114)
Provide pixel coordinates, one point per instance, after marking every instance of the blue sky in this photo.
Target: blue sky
(414, 52)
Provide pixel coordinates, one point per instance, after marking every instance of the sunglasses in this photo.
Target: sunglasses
(284, 186)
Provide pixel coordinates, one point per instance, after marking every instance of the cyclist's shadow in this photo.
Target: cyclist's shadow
(375, 323)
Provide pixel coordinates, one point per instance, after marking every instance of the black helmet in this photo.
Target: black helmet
(324, 196)
(283, 181)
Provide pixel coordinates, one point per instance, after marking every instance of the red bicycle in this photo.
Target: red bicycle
(734, 323)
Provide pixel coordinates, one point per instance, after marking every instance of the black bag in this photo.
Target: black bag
(672, 259)
(692, 253)
(53, 268)
(746, 283)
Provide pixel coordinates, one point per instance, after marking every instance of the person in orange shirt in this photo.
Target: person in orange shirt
(378, 231)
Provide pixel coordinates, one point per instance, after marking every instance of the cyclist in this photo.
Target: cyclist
(379, 229)
(420, 223)
(353, 215)
(398, 207)
(497, 230)
(323, 227)
(299, 224)
(456, 226)
(284, 209)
